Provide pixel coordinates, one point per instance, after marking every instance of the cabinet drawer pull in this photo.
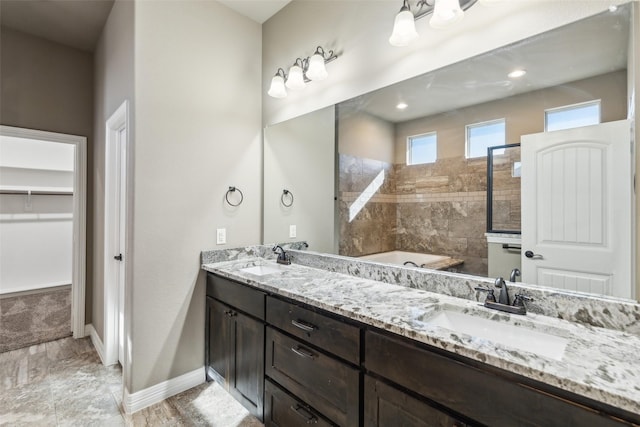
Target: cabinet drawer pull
(308, 327)
(301, 351)
(308, 416)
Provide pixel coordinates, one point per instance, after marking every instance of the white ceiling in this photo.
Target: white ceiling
(587, 48)
(257, 10)
(75, 23)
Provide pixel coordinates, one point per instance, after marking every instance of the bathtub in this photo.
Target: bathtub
(400, 257)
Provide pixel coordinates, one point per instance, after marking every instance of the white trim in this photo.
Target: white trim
(95, 340)
(79, 262)
(133, 402)
(118, 121)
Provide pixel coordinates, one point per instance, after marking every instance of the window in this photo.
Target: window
(422, 149)
(572, 116)
(481, 136)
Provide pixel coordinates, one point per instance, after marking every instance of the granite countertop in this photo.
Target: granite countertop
(598, 363)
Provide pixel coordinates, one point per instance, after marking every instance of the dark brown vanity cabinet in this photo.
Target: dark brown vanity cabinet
(308, 357)
(486, 396)
(235, 341)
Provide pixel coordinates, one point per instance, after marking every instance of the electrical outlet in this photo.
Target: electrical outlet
(292, 231)
(221, 236)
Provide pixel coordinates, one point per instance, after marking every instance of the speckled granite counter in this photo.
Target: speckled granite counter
(598, 363)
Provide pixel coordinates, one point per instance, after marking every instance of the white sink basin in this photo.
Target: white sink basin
(518, 337)
(263, 270)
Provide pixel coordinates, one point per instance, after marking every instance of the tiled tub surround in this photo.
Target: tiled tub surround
(33, 317)
(598, 363)
(437, 208)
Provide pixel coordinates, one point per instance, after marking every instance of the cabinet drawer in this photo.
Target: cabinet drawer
(482, 396)
(283, 410)
(321, 381)
(318, 329)
(385, 406)
(237, 295)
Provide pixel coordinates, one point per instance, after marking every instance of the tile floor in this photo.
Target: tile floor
(63, 383)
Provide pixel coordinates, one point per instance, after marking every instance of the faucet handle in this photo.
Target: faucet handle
(490, 295)
(519, 300)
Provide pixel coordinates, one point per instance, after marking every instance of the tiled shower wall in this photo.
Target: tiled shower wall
(437, 208)
(33, 317)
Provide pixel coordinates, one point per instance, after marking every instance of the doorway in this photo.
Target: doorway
(115, 258)
(77, 192)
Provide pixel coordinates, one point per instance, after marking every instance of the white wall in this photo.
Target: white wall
(39, 227)
(198, 131)
(359, 32)
(363, 135)
(299, 155)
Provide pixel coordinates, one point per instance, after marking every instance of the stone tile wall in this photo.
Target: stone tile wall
(437, 208)
(33, 317)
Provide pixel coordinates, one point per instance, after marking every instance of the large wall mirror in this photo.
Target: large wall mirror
(410, 171)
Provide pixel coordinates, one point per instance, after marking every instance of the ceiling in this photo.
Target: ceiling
(257, 10)
(79, 23)
(587, 48)
(72, 23)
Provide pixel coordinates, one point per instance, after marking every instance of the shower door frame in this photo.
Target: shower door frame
(79, 257)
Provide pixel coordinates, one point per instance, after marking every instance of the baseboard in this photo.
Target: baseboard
(95, 339)
(133, 402)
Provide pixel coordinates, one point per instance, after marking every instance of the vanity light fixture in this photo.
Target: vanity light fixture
(443, 13)
(301, 72)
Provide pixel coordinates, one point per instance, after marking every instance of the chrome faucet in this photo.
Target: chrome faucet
(514, 273)
(283, 258)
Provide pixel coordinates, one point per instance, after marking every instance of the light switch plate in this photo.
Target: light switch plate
(221, 236)
(292, 231)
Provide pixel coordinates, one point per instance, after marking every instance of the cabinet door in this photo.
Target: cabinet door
(246, 380)
(385, 406)
(219, 345)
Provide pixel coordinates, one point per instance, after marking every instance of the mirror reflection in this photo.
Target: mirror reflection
(411, 171)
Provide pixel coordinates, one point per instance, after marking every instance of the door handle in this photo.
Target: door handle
(118, 257)
(530, 254)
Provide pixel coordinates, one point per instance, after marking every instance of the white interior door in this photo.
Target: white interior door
(115, 237)
(577, 217)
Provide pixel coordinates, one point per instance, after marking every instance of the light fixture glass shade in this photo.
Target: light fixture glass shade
(277, 89)
(445, 13)
(296, 78)
(404, 29)
(317, 70)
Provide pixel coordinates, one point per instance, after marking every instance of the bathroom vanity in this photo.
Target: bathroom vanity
(300, 345)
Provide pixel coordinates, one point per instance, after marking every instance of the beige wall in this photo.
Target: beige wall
(524, 114)
(198, 131)
(366, 136)
(113, 61)
(299, 155)
(48, 86)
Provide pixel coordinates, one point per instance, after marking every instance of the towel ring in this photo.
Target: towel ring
(286, 193)
(232, 190)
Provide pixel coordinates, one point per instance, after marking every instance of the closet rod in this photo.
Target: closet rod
(38, 192)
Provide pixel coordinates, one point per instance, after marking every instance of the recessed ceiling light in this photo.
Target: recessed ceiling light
(516, 73)
(613, 8)
(401, 106)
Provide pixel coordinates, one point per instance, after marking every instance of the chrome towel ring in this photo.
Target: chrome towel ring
(233, 190)
(283, 198)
